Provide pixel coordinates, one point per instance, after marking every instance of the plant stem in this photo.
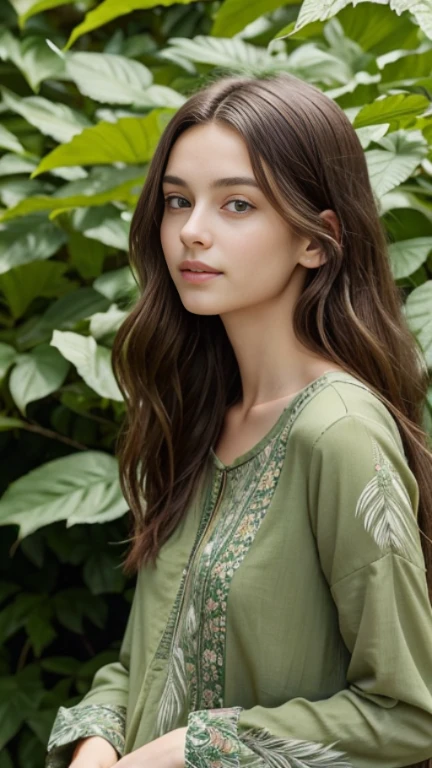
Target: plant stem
(30, 427)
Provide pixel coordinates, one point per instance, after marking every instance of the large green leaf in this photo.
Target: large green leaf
(30, 239)
(130, 140)
(56, 120)
(421, 10)
(11, 164)
(115, 79)
(30, 281)
(312, 11)
(80, 488)
(36, 375)
(102, 185)
(234, 15)
(63, 314)
(419, 316)
(406, 256)
(391, 109)
(117, 285)
(33, 57)
(105, 224)
(92, 361)
(27, 8)
(106, 323)
(409, 67)
(111, 9)
(376, 28)
(227, 53)
(401, 154)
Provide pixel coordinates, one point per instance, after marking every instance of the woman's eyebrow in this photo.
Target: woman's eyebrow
(228, 181)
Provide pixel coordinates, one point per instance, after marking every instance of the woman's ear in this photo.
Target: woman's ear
(314, 255)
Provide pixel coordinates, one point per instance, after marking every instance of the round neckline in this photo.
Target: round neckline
(255, 449)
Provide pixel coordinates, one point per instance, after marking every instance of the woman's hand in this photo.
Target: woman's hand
(164, 752)
(94, 752)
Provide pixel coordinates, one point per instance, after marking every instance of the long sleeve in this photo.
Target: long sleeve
(363, 502)
(101, 712)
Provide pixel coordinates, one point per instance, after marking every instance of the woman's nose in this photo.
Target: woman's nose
(195, 232)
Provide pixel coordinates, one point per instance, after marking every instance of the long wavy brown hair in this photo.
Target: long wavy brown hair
(177, 370)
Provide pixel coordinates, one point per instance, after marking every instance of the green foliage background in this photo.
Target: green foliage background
(87, 87)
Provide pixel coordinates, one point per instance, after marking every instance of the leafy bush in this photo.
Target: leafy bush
(87, 89)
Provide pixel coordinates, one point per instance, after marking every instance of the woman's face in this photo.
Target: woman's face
(228, 225)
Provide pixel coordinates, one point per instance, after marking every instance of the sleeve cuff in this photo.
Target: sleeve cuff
(79, 722)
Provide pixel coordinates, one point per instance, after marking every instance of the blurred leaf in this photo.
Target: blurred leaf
(7, 357)
(87, 256)
(9, 141)
(408, 255)
(131, 140)
(102, 185)
(112, 9)
(377, 28)
(27, 8)
(39, 628)
(37, 375)
(80, 488)
(227, 53)
(117, 285)
(234, 15)
(33, 57)
(105, 224)
(312, 11)
(7, 423)
(102, 575)
(92, 362)
(390, 166)
(40, 278)
(19, 697)
(52, 119)
(73, 605)
(12, 164)
(115, 79)
(104, 323)
(419, 316)
(61, 665)
(30, 239)
(391, 108)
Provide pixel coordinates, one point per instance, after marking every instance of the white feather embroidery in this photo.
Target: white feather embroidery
(291, 753)
(386, 510)
(174, 696)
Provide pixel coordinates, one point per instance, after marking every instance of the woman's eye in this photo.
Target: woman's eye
(168, 201)
(240, 203)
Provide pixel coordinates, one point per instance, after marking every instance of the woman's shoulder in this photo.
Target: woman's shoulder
(343, 399)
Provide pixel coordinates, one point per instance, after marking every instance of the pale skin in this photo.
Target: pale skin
(234, 229)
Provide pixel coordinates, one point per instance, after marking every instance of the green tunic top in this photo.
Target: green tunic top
(288, 622)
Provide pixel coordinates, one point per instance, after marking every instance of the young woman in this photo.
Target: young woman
(273, 458)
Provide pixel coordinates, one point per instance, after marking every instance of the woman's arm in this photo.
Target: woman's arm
(363, 501)
(101, 712)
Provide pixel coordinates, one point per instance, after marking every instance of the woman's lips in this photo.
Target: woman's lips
(198, 277)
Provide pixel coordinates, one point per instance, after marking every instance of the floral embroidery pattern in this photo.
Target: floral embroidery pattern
(84, 720)
(385, 507)
(211, 739)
